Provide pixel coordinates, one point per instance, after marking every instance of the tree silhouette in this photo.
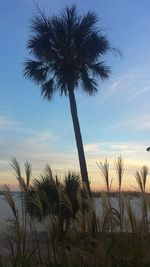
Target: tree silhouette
(66, 52)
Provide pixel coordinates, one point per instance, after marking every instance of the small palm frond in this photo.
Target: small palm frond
(46, 186)
(100, 70)
(40, 25)
(72, 182)
(89, 85)
(87, 23)
(95, 46)
(35, 70)
(48, 89)
(69, 17)
(40, 47)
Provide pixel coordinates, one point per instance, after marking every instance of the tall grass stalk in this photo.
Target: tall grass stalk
(141, 178)
(73, 234)
(120, 171)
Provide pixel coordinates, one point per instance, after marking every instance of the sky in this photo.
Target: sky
(114, 122)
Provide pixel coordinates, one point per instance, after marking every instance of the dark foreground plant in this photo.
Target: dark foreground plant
(66, 54)
(120, 237)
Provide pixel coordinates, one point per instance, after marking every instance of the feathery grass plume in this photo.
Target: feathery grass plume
(10, 201)
(104, 168)
(16, 166)
(28, 171)
(14, 241)
(141, 178)
(25, 198)
(48, 171)
(24, 185)
(127, 247)
(139, 181)
(119, 170)
(144, 173)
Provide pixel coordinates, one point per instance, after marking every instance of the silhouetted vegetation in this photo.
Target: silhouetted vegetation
(73, 232)
(67, 53)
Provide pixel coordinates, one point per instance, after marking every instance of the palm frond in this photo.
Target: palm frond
(35, 70)
(89, 85)
(40, 47)
(95, 46)
(87, 23)
(100, 70)
(40, 25)
(69, 16)
(48, 89)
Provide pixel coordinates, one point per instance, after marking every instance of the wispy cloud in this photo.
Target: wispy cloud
(140, 92)
(6, 122)
(140, 122)
(115, 147)
(129, 85)
(39, 150)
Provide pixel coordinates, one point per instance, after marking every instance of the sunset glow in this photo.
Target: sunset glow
(114, 122)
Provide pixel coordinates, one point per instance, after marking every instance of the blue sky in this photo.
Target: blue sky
(116, 121)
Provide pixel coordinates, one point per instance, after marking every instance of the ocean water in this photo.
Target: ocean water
(6, 215)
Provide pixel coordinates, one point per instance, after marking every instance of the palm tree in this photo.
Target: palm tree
(66, 54)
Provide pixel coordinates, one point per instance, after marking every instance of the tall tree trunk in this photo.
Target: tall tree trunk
(78, 138)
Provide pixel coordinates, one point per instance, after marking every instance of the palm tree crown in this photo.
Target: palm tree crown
(66, 53)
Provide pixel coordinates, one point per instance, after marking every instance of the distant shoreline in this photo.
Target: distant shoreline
(98, 194)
